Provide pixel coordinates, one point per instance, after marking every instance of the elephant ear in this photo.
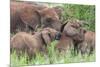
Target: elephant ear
(46, 37)
(29, 16)
(62, 27)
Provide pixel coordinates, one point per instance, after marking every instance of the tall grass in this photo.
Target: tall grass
(52, 57)
(81, 12)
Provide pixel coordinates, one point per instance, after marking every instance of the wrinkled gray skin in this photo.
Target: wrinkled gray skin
(25, 16)
(31, 44)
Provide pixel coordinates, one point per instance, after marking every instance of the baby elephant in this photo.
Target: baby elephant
(66, 42)
(71, 28)
(72, 33)
(88, 45)
(31, 44)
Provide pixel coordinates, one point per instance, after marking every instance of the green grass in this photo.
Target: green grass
(52, 57)
(81, 12)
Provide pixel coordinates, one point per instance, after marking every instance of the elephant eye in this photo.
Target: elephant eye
(49, 35)
(49, 20)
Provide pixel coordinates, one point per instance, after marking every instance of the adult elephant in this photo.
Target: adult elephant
(25, 16)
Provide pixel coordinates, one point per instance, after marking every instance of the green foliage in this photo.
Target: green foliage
(82, 12)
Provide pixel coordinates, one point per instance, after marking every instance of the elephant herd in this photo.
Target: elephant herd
(30, 17)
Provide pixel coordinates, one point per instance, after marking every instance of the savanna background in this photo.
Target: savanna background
(82, 12)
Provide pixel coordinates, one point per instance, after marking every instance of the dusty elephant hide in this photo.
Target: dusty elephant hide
(71, 35)
(88, 45)
(25, 16)
(31, 44)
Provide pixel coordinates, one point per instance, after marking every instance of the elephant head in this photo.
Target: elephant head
(31, 17)
(48, 35)
(71, 28)
(47, 17)
(50, 18)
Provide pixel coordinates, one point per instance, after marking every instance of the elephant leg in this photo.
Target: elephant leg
(75, 49)
(28, 28)
(36, 28)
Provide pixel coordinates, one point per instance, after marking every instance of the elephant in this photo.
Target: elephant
(64, 44)
(31, 44)
(88, 45)
(71, 33)
(25, 17)
(71, 28)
